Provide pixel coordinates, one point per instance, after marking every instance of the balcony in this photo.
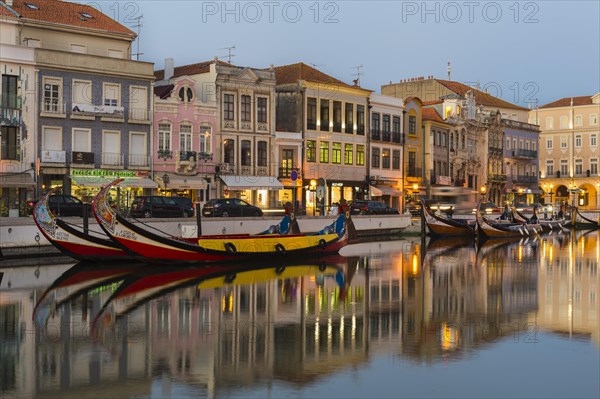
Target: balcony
(360, 130)
(311, 125)
(205, 156)
(10, 101)
(139, 115)
(529, 154)
(82, 158)
(386, 136)
(187, 156)
(139, 160)
(497, 178)
(375, 134)
(53, 108)
(396, 137)
(525, 179)
(349, 128)
(337, 127)
(114, 159)
(286, 173)
(165, 154)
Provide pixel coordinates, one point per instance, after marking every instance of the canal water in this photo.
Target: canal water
(443, 318)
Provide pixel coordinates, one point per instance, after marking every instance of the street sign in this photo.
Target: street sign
(320, 192)
(294, 175)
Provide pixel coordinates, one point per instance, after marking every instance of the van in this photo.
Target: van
(156, 206)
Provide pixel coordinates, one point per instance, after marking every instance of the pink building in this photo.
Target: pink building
(184, 144)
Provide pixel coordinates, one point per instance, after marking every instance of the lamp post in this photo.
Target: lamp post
(483, 190)
(165, 179)
(415, 188)
(313, 189)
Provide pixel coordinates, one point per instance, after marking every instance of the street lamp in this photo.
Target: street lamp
(416, 190)
(165, 179)
(483, 190)
(313, 188)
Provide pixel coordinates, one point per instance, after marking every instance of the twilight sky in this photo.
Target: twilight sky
(517, 50)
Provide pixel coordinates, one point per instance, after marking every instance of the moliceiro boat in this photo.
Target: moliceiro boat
(152, 245)
(489, 228)
(71, 239)
(546, 224)
(580, 222)
(441, 226)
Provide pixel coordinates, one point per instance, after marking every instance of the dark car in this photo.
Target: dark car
(363, 207)
(186, 205)
(415, 209)
(230, 207)
(63, 205)
(156, 206)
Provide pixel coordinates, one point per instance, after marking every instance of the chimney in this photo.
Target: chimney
(169, 68)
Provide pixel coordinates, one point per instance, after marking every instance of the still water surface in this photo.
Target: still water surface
(387, 319)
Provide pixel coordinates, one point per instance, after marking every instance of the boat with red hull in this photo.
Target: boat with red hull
(154, 246)
(71, 239)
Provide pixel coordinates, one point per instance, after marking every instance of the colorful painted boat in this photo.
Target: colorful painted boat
(445, 227)
(155, 247)
(71, 239)
(488, 228)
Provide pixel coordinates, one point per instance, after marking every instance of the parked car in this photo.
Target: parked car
(63, 205)
(186, 205)
(415, 209)
(156, 206)
(363, 207)
(230, 207)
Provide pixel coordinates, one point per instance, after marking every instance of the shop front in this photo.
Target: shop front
(386, 193)
(194, 187)
(15, 189)
(85, 184)
(261, 191)
(321, 196)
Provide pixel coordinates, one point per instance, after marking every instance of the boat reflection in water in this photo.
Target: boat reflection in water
(220, 331)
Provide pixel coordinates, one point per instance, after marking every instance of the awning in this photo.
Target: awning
(375, 192)
(389, 190)
(251, 182)
(16, 180)
(183, 182)
(100, 181)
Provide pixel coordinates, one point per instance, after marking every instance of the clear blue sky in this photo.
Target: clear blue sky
(517, 50)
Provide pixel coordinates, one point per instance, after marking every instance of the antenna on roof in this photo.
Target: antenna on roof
(315, 65)
(357, 74)
(138, 25)
(448, 70)
(229, 52)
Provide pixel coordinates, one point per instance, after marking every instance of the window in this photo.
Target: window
(594, 166)
(82, 92)
(579, 167)
(412, 124)
(261, 109)
(111, 94)
(549, 143)
(246, 108)
(593, 140)
(336, 153)
(396, 129)
(396, 159)
(564, 122)
(324, 153)
(9, 143)
(386, 127)
(228, 107)
(578, 120)
(82, 140)
(325, 115)
(311, 113)
(593, 119)
(360, 154)
(437, 138)
(53, 95)
(578, 141)
(111, 148)
(206, 139)
(563, 142)
(385, 158)
(229, 152)
(564, 167)
(246, 153)
(375, 157)
(311, 151)
(185, 137)
(337, 116)
(549, 123)
(52, 139)
(533, 145)
(261, 153)
(360, 120)
(375, 127)
(185, 94)
(138, 103)
(164, 137)
(412, 164)
(9, 92)
(137, 149)
(444, 138)
(348, 152)
(349, 127)
(115, 53)
(78, 48)
(508, 143)
(447, 111)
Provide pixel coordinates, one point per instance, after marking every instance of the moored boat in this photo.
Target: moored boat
(532, 224)
(71, 239)
(488, 228)
(580, 222)
(446, 227)
(156, 247)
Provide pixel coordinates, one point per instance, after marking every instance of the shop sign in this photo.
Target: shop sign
(107, 173)
(337, 184)
(83, 157)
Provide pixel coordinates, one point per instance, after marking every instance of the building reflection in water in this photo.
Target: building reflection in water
(423, 304)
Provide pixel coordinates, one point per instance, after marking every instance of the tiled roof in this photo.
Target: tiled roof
(566, 102)
(480, 97)
(431, 114)
(163, 92)
(425, 103)
(5, 11)
(70, 14)
(300, 71)
(187, 70)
